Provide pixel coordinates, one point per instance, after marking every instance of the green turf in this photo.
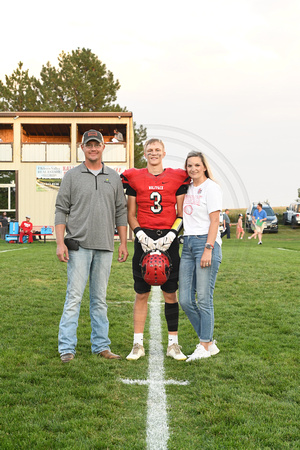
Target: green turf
(246, 397)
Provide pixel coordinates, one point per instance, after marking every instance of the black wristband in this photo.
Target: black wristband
(136, 230)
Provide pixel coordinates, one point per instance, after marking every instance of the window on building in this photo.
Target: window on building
(46, 143)
(6, 142)
(115, 151)
(8, 192)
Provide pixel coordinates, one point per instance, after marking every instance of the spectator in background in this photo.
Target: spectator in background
(226, 224)
(259, 219)
(3, 225)
(118, 136)
(239, 228)
(26, 228)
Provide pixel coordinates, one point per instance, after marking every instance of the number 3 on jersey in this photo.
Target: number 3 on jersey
(156, 197)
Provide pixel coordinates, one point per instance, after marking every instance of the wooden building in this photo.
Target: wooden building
(37, 148)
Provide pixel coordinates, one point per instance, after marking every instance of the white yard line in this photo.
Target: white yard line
(146, 382)
(13, 250)
(113, 302)
(157, 421)
(287, 249)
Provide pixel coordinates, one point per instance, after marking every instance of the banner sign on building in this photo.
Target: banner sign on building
(49, 177)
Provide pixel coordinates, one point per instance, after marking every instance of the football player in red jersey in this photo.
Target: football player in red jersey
(155, 202)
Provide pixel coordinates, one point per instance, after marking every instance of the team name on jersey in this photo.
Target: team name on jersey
(157, 188)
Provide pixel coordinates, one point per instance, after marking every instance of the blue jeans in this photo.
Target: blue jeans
(83, 264)
(194, 279)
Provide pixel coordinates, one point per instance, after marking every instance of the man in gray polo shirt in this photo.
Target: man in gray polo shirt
(226, 224)
(89, 205)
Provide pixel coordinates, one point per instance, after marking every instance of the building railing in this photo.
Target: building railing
(44, 152)
(6, 151)
(113, 152)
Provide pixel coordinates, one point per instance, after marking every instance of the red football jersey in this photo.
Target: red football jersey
(156, 195)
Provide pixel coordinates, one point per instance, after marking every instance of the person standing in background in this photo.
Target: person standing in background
(3, 225)
(226, 224)
(259, 219)
(239, 227)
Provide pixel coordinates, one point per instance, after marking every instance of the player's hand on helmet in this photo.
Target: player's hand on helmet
(146, 242)
(164, 242)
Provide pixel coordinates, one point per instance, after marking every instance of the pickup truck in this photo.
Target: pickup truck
(292, 215)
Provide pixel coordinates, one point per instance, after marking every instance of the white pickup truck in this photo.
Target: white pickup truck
(292, 215)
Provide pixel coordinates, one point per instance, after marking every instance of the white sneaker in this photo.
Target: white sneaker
(175, 352)
(136, 352)
(199, 353)
(213, 349)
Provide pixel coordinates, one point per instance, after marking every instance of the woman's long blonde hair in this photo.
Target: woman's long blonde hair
(195, 154)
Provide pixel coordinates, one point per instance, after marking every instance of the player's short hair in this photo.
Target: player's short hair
(152, 141)
(195, 154)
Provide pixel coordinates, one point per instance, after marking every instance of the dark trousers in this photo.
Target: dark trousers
(226, 231)
(3, 232)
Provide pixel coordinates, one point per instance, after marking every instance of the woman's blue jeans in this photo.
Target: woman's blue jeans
(84, 264)
(194, 279)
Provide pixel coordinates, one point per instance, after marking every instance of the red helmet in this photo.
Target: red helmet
(155, 267)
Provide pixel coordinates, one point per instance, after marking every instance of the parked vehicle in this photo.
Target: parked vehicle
(292, 215)
(271, 225)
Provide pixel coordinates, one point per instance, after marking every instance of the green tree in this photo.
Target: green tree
(140, 135)
(21, 92)
(81, 82)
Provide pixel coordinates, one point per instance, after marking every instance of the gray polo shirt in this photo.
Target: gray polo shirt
(91, 206)
(226, 218)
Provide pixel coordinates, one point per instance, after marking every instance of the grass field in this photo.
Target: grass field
(246, 397)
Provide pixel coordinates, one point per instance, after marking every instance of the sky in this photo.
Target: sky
(219, 76)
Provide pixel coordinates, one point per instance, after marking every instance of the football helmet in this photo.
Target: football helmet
(156, 267)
